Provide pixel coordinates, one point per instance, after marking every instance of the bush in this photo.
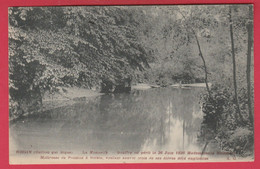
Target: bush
(222, 123)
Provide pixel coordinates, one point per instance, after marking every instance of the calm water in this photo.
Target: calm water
(156, 119)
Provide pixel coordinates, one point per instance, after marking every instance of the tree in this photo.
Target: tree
(234, 62)
(190, 29)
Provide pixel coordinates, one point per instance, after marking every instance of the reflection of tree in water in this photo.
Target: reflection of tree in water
(122, 121)
(179, 122)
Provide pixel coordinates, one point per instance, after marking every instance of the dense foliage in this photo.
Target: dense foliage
(50, 47)
(222, 123)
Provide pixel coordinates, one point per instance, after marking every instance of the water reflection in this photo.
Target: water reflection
(179, 123)
(155, 119)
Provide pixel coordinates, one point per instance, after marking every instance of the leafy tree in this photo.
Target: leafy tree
(67, 46)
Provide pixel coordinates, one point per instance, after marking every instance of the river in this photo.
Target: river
(157, 119)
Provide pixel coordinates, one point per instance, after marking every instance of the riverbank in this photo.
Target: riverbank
(141, 86)
(63, 96)
(67, 96)
(144, 86)
(191, 85)
(72, 93)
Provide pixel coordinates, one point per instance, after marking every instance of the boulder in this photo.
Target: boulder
(119, 86)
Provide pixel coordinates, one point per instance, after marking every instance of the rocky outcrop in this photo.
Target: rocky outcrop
(118, 86)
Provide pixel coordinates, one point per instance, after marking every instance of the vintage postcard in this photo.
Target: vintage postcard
(131, 84)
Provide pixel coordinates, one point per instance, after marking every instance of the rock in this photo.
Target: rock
(122, 89)
(107, 86)
(119, 86)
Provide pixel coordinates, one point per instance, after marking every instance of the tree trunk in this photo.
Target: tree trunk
(201, 56)
(234, 63)
(204, 64)
(248, 71)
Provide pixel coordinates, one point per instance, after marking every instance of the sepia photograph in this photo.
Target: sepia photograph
(131, 84)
